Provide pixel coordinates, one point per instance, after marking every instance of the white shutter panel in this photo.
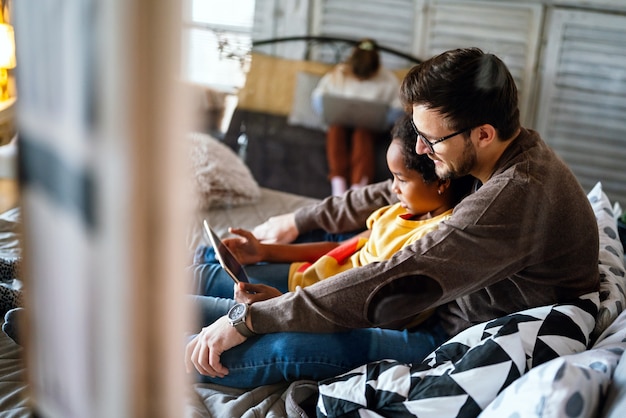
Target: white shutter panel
(582, 106)
(510, 31)
(281, 19)
(390, 23)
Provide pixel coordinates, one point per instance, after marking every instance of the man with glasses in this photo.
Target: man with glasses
(526, 237)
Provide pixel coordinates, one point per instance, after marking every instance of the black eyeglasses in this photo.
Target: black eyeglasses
(431, 144)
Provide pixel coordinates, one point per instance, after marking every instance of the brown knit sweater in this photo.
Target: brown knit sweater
(528, 237)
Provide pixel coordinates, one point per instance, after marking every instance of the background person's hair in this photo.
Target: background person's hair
(468, 87)
(364, 61)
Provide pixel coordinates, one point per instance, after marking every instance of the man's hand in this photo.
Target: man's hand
(279, 229)
(204, 350)
(254, 292)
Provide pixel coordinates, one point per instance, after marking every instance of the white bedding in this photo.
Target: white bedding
(13, 390)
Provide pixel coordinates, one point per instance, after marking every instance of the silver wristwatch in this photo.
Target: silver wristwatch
(237, 317)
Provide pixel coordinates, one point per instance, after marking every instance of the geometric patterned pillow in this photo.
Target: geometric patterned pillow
(568, 386)
(611, 266)
(464, 375)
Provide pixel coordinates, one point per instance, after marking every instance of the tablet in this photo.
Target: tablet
(226, 257)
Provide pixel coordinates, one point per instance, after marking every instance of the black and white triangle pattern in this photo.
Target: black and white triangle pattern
(464, 375)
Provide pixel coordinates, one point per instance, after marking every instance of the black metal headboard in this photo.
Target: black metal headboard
(339, 44)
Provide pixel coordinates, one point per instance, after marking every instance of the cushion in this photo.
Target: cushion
(221, 179)
(302, 113)
(612, 274)
(271, 81)
(612, 338)
(569, 386)
(446, 381)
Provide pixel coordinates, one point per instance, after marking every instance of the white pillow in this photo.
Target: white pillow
(614, 338)
(569, 386)
(302, 113)
(221, 178)
(612, 274)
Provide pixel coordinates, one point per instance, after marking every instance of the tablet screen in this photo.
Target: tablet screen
(226, 257)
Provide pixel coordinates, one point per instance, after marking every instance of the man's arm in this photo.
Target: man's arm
(335, 214)
(203, 352)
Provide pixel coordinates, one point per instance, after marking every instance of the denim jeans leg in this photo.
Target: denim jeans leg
(211, 279)
(280, 357)
(207, 309)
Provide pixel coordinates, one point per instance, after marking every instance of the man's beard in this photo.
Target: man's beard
(460, 168)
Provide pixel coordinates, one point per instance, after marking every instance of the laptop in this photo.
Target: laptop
(354, 112)
(225, 257)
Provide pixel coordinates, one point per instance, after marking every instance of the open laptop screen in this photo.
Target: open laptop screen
(353, 112)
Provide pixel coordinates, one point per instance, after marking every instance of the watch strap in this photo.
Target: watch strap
(243, 329)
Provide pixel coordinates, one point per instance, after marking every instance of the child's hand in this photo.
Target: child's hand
(250, 293)
(246, 248)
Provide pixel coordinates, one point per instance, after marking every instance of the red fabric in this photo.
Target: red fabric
(350, 153)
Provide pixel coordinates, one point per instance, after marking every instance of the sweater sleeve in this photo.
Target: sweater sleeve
(346, 213)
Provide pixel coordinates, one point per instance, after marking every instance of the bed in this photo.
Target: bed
(558, 360)
(538, 364)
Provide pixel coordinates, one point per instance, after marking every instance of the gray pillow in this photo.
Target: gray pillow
(221, 178)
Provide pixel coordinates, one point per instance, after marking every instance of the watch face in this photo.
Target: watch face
(237, 311)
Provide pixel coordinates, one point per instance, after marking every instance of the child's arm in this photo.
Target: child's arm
(250, 250)
(309, 251)
(286, 253)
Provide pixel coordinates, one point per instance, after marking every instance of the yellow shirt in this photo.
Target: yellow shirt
(390, 232)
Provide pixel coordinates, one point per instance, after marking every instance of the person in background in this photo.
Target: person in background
(525, 237)
(350, 151)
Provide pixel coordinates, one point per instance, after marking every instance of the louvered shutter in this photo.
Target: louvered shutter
(510, 31)
(582, 100)
(390, 23)
(280, 19)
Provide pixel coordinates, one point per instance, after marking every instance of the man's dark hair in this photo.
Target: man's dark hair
(468, 87)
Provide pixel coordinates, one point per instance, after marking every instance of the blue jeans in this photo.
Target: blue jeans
(210, 279)
(289, 356)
